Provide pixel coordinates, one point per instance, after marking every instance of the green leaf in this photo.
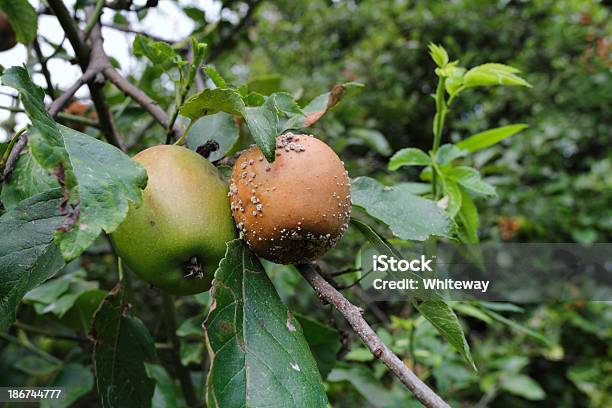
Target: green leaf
(76, 380)
(64, 302)
(493, 74)
(490, 137)
(194, 13)
(79, 317)
(161, 54)
(49, 291)
(23, 18)
(36, 366)
(29, 257)
(409, 216)
(220, 127)
(381, 245)
(454, 80)
(519, 327)
(471, 179)
(254, 99)
(165, 394)
(191, 327)
(324, 342)
(438, 54)
(286, 104)
(192, 353)
(468, 219)
(320, 105)
(101, 181)
(258, 351)
(215, 76)
(453, 192)
(444, 319)
(371, 138)
(211, 101)
(263, 125)
(409, 156)
(449, 152)
(26, 180)
(523, 386)
(122, 345)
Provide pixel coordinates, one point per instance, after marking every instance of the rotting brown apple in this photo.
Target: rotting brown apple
(294, 209)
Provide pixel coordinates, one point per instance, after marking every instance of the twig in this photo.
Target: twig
(181, 371)
(353, 315)
(130, 30)
(94, 17)
(89, 57)
(63, 100)
(44, 69)
(61, 115)
(135, 93)
(13, 156)
(365, 298)
(344, 271)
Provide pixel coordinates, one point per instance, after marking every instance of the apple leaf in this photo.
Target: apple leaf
(99, 180)
(215, 76)
(263, 124)
(490, 137)
(409, 216)
(28, 256)
(211, 101)
(471, 179)
(491, 74)
(444, 319)
(75, 379)
(220, 127)
(122, 346)
(409, 156)
(320, 105)
(324, 342)
(23, 19)
(258, 351)
(162, 55)
(26, 180)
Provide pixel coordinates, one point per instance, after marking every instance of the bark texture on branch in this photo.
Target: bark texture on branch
(353, 315)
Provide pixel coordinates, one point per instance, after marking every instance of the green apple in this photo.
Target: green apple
(177, 237)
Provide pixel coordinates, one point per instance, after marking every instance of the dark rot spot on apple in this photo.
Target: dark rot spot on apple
(193, 268)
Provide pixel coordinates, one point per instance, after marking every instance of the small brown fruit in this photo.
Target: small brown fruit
(82, 109)
(7, 34)
(295, 209)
